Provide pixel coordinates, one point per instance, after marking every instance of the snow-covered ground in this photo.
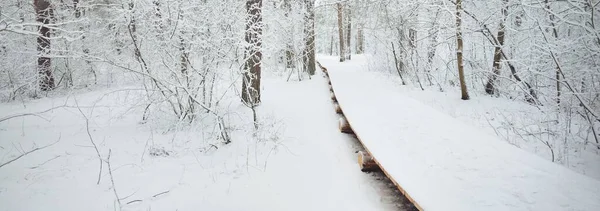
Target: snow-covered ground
(297, 160)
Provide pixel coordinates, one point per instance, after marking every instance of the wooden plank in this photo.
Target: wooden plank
(388, 175)
(366, 163)
(338, 109)
(345, 126)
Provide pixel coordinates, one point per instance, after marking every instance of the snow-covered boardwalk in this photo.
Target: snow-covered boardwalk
(444, 164)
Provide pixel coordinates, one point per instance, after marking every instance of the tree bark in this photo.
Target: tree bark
(44, 15)
(21, 14)
(309, 53)
(555, 34)
(340, 9)
(399, 65)
(459, 52)
(331, 45)
(289, 51)
(132, 29)
(158, 21)
(252, 68)
(76, 8)
(490, 88)
(433, 31)
(349, 32)
(360, 40)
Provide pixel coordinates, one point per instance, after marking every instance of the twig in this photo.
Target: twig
(154, 196)
(37, 114)
(111, 178)
(87, 128)
(28, 152)
(51, 159)
(134, 201)
(161, 193)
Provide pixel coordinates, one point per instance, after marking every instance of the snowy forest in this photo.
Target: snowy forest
(216, 104)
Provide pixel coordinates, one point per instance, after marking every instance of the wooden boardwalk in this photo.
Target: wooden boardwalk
(439, 163)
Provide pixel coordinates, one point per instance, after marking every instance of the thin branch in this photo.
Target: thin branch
(37, 114)
(28, 152)
(51, 159)
(161, 193)
(111, 179)
(87, 128)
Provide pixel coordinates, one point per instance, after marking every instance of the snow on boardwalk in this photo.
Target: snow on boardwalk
(444, 164)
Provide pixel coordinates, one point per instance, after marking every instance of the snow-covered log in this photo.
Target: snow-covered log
(333, 97)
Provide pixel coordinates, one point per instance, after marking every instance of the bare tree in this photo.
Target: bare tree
(44, 15)
(349, 31)
(557, 74)
(489, 87)
(309, 50)
(76, 8)
(340, 18)
(289, 50)
(252, 67)
(360, 40)
(459, 51)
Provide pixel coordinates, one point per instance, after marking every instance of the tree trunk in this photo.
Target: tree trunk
(289, 51)
(183, 57)
(490, 88)
(433, 31)
(76, 8)
(44, 15)
(21, 14)
(309, 51)
(555, 34)
(158, 21)
(340, 9)
(132, 30)
(459, 52)
(252, 68)
(349, 33)
(399, 65)
(331, 45)
(360, 40)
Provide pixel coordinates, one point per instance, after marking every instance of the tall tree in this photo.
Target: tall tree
(557, 74)
(252, 67)
(433, 42)
(289, 50)
(44, 16)
(489, 87)
(360, 40)
(340, 18)
(309, 49)
(76, 8)
(459, 51)
(349, 31)
(132, 30)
